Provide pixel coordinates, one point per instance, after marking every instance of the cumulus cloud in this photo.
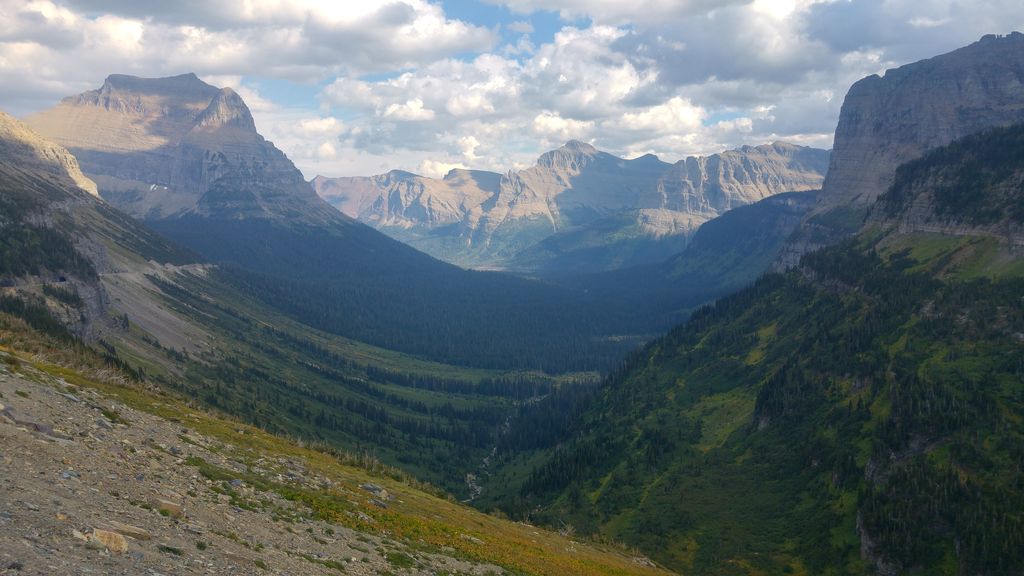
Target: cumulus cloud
(305, 41)
(326, 151)
(675, 115)
(409, 111)
(618, 12)
(552, 126)
(437, 169)
(908, 30)
(405, 85)
(696, 78)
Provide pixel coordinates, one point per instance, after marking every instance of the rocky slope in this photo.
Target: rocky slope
(23, 151)
(576, 206)
(169, 147)
(888, 120)
(100, 475)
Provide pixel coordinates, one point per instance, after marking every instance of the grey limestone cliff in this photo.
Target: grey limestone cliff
(892, 119)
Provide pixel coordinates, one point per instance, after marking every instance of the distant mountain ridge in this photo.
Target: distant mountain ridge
(578, 208)
(725, 254)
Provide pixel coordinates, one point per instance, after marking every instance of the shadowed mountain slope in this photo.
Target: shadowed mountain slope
(186, 157)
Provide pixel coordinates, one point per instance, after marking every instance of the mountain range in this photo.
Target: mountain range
(578, 210)
(186, 158)
(857, 411)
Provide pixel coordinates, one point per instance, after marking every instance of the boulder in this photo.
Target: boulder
(111, 540)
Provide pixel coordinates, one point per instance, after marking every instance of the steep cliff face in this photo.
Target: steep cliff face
(886, 121)
(170, 147)
(577, 207)
(896, 118)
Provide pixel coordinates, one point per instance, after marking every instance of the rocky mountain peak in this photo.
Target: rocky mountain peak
(226, 109)
(146, 96)
(648, 158)
(571, 157)
(24, 150)
(578, 146)
(169, 147)
(182, 83)
(779, 145)
(401, 175)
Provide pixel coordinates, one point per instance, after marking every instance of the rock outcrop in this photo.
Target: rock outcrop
(488, 219)
(889, 120)
(892, 119)
(169, 147)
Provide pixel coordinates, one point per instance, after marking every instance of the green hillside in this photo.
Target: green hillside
(860, 413)
(353, 281)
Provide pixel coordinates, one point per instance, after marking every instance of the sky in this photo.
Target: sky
(358, 88)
